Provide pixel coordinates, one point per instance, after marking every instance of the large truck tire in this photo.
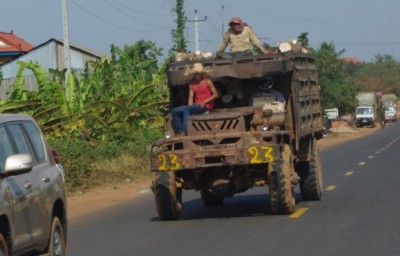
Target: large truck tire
(167, 197)
(281, 192)
(210, 199)
(311, 175)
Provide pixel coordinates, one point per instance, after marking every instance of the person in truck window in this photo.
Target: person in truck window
(266, 89)
(202, 94)
(240, 37)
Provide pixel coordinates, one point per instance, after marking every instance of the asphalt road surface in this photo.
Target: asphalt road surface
(359, 214)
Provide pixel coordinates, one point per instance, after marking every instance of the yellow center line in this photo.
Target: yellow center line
(330, 188)
(371, 157)
(298, 213)
(361, 163)
(349, 173)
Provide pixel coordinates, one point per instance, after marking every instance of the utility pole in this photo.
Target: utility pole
(196, 29)
(67, 60)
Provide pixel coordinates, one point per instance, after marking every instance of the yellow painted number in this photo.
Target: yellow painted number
(168, 162)
(264, 157)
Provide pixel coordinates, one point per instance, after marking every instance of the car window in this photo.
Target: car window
(36, 140)
(5, 147)
(19, 139)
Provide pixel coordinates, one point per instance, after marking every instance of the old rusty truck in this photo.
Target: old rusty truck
(248, 140)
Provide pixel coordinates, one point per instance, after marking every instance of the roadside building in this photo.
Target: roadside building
(49, 55)
(12, 46)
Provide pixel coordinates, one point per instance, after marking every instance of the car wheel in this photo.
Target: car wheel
(57, 243)
(3, 246)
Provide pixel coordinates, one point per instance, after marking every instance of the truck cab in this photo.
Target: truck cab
(390, 114)
(365, 116)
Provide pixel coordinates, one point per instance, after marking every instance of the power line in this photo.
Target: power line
(113, 24)
(142, 12)
(130, 16)
(315, 21)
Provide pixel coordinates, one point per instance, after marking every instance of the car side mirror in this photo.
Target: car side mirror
(18, 163)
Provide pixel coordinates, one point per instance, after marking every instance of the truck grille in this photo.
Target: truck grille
(214, 126)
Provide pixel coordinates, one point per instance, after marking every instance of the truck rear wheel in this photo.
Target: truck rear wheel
(279, 182)
(311, 175)
(167, 197)
(210, 199)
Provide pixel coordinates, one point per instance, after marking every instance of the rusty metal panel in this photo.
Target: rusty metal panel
(218, 151)
(226, 135)
(241, 68)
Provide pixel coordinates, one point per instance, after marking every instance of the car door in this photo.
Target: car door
(28, 140)
(14, 196)
(43, 187)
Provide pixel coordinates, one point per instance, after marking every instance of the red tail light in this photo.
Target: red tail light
(56, 156)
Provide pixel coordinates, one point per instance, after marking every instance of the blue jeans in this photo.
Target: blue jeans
(181, 114)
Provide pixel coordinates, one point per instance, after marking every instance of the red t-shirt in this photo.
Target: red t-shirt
(201, 93)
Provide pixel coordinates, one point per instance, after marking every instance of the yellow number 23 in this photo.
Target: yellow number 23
(168, 162)
(258, 157)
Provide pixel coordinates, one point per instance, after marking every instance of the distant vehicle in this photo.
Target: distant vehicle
(390, 114)
(368, 109)
(389, 102)
(331, 114)
(33, 203)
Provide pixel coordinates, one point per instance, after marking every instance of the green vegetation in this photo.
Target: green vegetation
(103, 120)
(115, 108)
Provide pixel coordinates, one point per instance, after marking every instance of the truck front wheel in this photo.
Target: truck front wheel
(281, 192)
(167, 197)
(311, 175)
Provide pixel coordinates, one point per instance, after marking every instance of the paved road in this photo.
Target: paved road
(359, 215)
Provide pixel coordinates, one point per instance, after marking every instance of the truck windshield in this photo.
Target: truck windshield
(364, 111)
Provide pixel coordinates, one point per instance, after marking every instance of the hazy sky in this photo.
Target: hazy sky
(363, 28)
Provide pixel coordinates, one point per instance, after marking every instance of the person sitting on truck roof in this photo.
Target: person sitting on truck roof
(202, 94)
(239, 36)
(266, 90)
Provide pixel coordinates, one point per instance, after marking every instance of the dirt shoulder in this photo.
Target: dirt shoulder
(107, 196)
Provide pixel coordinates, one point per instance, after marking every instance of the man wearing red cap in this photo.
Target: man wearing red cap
(239, 36)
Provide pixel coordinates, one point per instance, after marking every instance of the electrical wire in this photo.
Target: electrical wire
(313, 21)
(142, 12)
(130, 16)
(113, 24)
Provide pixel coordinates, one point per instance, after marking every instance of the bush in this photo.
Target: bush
(88, 165)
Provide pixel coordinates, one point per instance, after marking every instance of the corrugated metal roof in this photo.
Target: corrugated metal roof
(12, 43)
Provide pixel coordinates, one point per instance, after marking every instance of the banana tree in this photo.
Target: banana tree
(121, 92)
